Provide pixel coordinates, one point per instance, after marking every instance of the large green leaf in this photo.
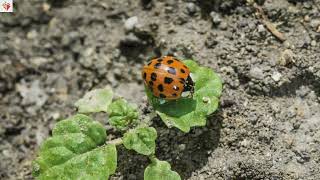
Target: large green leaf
(185, 113)
(122, 114)
(160, 170)
(96, 100)
(74, 152)
(142, 140)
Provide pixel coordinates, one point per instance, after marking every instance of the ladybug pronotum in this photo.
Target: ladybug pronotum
(167, 78)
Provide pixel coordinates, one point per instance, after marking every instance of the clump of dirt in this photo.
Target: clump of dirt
(268, 123)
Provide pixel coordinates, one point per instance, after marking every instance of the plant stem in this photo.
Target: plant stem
(115, 141)
(152, 158)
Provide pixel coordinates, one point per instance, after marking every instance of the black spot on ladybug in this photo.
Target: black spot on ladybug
(160, 87)
(153, 76)
(157, 66)
(176, 88)
(170, 61)
(162, 95)
(160, 60)
(182, 70)
(174, 94)
(172, 70)
(144, 75)
(168, 80)
(150, 83)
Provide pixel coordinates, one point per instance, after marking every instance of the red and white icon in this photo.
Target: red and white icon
(6, 6)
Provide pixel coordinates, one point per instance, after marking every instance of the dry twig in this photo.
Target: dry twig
(268, 24)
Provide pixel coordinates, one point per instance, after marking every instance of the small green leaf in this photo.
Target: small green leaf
(185, 113)
(142, 140)
(160, 170)
(122, 114)
(96, 100)
(74, 152)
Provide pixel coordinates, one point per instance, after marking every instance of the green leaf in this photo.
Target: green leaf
(142, 140)
(185, 113)
(160, 170)
(74, 152)
(122, 114)
(96, 100)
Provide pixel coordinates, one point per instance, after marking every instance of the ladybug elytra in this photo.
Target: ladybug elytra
(167, 78)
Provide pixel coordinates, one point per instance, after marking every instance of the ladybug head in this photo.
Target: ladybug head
(188, 87)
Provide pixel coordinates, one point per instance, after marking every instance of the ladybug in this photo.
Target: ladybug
(167, 78)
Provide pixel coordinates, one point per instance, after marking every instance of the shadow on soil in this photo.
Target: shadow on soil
(290, 88)
(186, 152)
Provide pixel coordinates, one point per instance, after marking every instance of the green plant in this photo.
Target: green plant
(78, 148)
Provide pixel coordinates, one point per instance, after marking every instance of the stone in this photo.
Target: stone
(216, 18)
(32, 94)
(286, 57)
(191, 8)
(256, 73)
(276, 76)
(131, 23)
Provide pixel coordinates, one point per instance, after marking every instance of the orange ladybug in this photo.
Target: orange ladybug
(167, 78)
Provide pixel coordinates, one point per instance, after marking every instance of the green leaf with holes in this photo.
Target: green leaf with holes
(76, 150)
(185, 113)
(160, 170)
(122, 114)
(96, 100)
(142, 140)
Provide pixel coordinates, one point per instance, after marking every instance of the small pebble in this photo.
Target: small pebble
(206, 99)
(131, 39)
(191, 8)
(182, 147)
(288, 44)
(286, 57)
(131, 23)
(306, 18)
(276, 76)
(223, 25)
(32, 34)
(261, 28)
(46, 7)
(314, 23)
(216, 17)
(256, 73)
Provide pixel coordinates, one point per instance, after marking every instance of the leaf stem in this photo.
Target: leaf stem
(152, 158)
(115, 141)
